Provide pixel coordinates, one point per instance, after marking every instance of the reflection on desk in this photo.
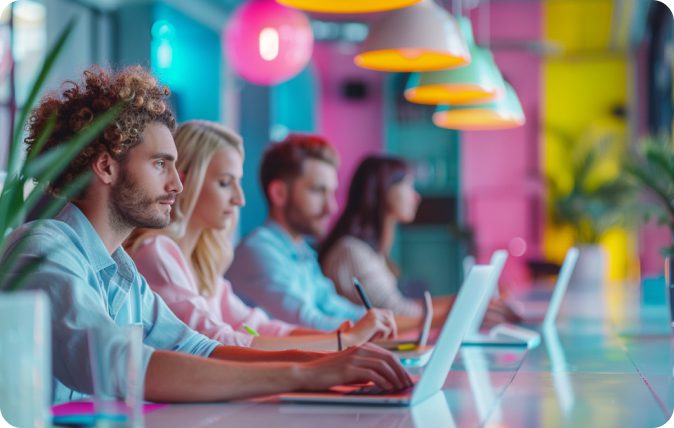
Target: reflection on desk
(586, 374)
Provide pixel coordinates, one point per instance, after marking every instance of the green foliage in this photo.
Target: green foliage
(652, 166)
(37, 169)
(590, 200)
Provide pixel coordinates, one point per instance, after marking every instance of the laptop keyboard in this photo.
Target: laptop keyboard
(375, 390)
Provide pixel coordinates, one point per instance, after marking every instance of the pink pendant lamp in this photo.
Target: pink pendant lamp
(266, 43)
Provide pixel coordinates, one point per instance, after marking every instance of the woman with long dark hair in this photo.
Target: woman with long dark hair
(381, 196)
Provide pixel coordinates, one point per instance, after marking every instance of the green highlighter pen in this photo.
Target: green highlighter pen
(251, 330)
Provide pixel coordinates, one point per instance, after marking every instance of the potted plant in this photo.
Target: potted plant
(25, 372)
(590, 198)
(652, 166)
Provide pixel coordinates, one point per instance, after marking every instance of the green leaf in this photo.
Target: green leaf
(42, 139)
(15, 149)
(48, 165)
(24, 273)
(38, 166)
(8, 203)
(80, 140)
(10, 259)
(76, 186)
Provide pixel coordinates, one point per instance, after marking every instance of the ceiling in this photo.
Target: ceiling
(628, 16)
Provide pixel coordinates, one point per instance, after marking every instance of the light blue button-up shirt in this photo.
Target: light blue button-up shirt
(89, 288)
(284, 278)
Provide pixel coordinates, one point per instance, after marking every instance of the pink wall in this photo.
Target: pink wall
(501, 180)
(652, 237)
(354, 127)
(500, 170)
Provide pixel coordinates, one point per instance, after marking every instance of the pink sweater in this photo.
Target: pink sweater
(221, 316)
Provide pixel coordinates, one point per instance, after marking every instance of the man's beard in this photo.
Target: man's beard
(301, 223)
(130, 207)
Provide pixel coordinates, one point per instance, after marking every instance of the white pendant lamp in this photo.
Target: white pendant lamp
(422, 37)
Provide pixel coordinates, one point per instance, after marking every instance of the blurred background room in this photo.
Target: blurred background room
(531, 147)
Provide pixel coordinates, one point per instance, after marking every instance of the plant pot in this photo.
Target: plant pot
(25, 359)
(669, 288)
(590, 271)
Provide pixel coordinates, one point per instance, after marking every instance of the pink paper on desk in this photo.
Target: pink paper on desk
(87, 408)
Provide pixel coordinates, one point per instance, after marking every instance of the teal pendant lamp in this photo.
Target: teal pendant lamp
(478, 82)
(503, 113)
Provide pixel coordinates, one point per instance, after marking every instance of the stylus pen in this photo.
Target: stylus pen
(361, 293)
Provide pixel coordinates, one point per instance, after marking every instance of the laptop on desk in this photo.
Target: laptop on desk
(474, 337)
(538, 316)
(533, 316)
(534, 319)
(442, 356)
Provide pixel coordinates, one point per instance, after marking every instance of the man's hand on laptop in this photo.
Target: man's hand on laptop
(375, 324)
(500, 312)
(362, 364)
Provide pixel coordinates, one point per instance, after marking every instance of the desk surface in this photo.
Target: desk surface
(609, 363)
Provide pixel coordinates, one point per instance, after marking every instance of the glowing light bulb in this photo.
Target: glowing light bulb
(269, 44)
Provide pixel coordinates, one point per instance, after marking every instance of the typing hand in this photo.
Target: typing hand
(362, 364)
(500, 312)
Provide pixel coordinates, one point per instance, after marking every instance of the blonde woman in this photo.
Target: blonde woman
(185, 262)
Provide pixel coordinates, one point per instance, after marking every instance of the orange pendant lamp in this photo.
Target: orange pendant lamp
(478, 82)
(347, 6)
(422, 37)
(504, 113)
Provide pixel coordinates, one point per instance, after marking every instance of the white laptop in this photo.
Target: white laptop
(433, 377)
(535, 320)
(498, 261)
(474, 337)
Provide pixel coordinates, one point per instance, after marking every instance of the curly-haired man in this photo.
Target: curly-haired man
(92, 282)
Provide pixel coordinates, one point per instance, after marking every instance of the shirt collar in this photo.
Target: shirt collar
(299, 249)
(93, 244)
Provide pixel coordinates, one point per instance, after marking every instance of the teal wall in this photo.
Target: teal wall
(195, 67)
(254, 125)
(294, 104)
(428, 252)
(269, 113)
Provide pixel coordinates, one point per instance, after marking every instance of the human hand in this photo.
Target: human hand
(358, 364)
(376, 324)
(500, 312)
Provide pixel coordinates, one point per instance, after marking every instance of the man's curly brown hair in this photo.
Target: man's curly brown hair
(144, 101)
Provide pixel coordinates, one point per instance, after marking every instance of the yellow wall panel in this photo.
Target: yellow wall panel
(578, 25)
(579, 93)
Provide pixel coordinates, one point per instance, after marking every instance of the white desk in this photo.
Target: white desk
(608, 365)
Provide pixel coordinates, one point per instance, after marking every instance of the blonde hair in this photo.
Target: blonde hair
(197, 141)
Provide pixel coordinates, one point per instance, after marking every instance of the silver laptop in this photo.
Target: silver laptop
(534, 320)
(498, 261)
(474, 337)
(433, 377)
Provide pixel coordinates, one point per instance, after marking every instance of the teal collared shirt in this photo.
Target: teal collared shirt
(89, 288)
(284, 278)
